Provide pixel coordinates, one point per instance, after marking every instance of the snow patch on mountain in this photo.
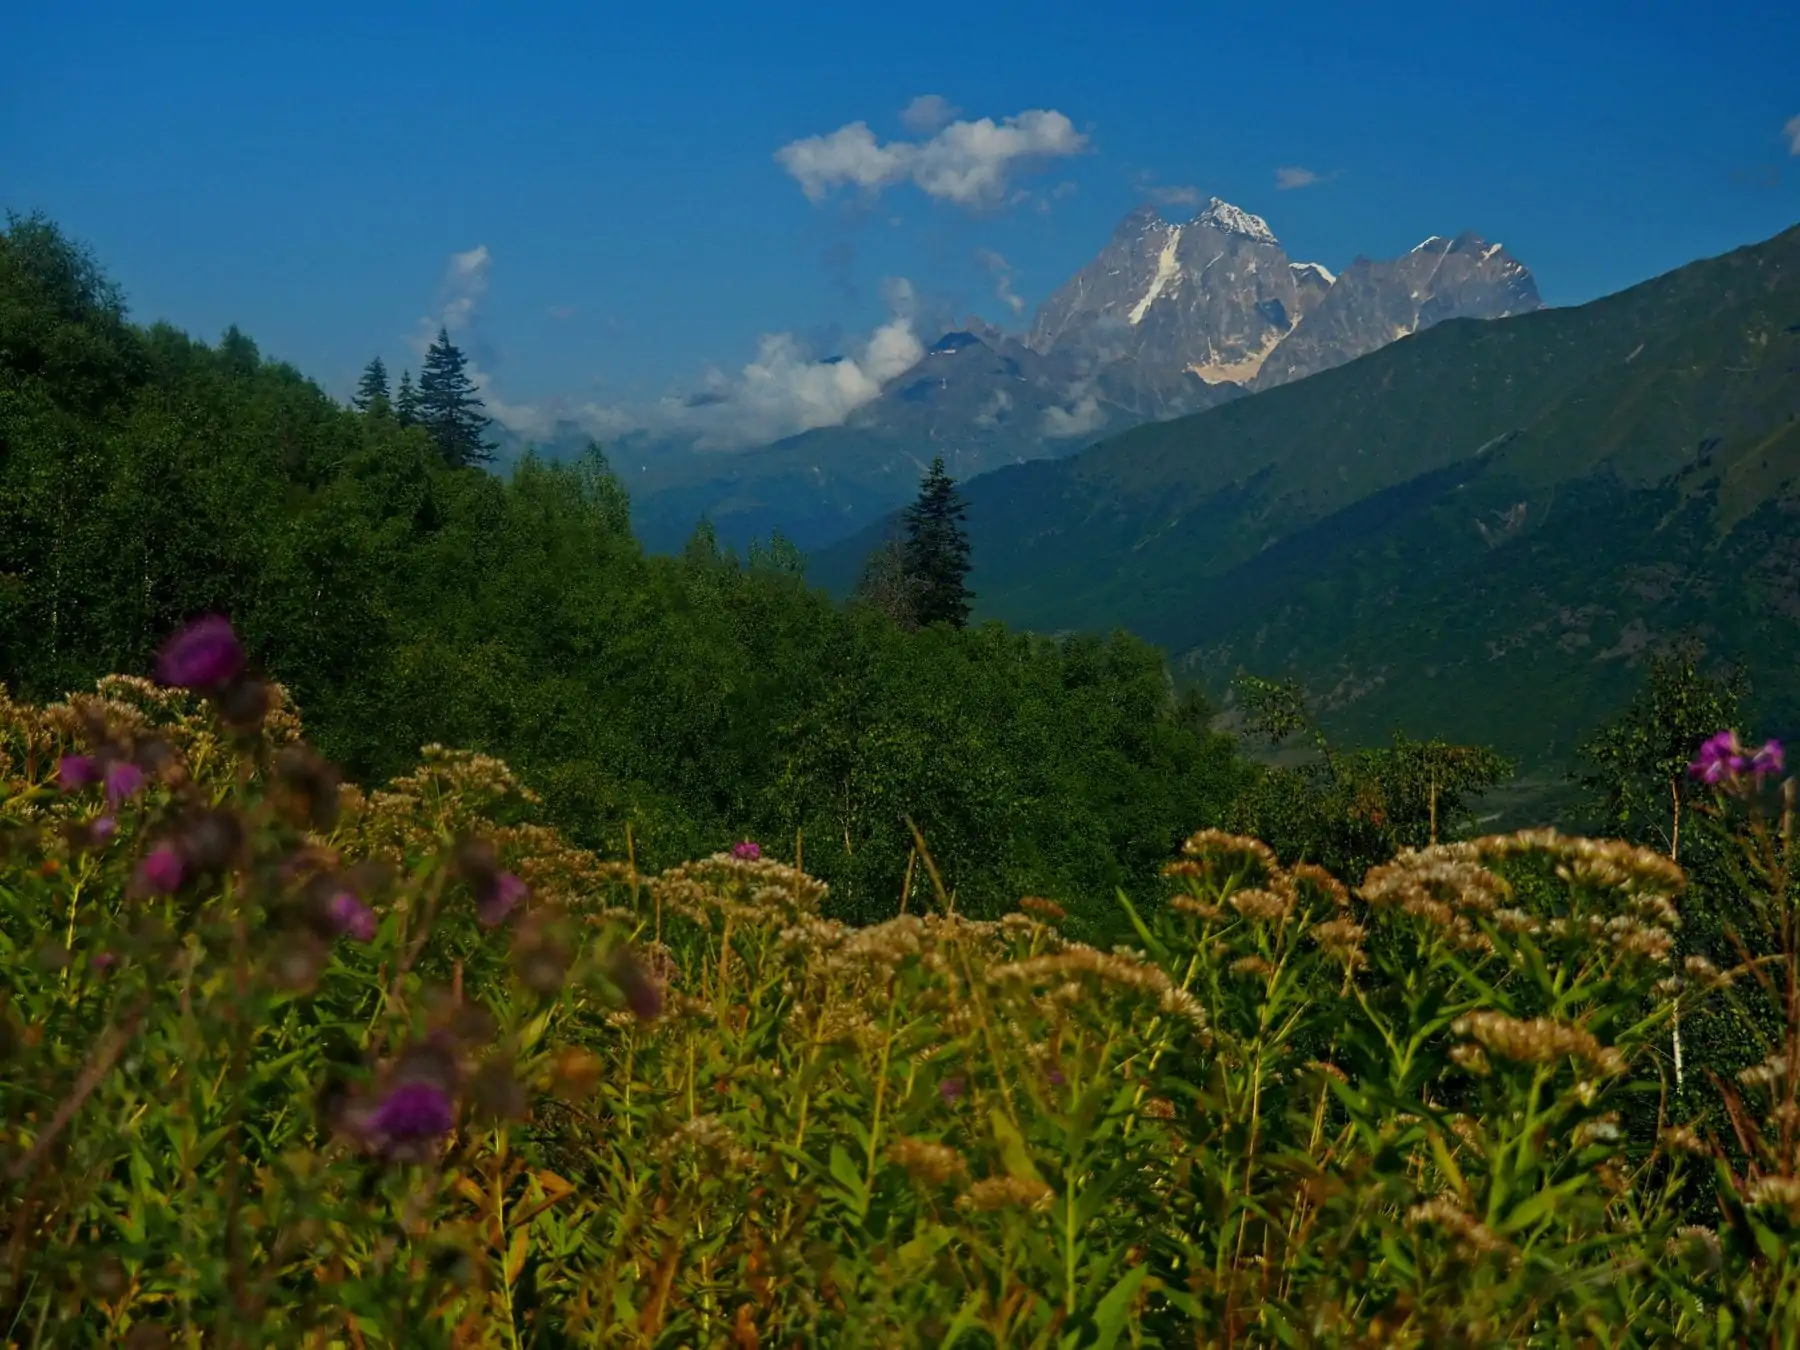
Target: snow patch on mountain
(1167, 269)
(1222, 215)
(1324, 272)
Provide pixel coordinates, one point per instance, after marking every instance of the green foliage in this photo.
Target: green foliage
(887, 587)
(1638, 776)
(372, 389)
(937, 550)
(406, 401)
(450, 408)
(682, 1109)
(1348, 810)
(404, 602)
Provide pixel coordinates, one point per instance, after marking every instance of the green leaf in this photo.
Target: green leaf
(1154, 945)
(1109, 1317)
(1013, 1153)
(845, 1173)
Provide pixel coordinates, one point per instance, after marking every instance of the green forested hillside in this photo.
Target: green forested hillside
(146, 477)
(1478, 528)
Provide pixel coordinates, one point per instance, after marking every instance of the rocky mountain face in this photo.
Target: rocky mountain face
(1373, 303)
(1210, 298)
(1217, 298)
(1169, 319)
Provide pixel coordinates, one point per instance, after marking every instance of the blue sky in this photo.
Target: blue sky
(609, 174)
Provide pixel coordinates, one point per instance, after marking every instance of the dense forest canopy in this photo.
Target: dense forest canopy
(405, 598)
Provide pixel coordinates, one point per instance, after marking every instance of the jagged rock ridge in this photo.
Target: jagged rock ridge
(1218, 298)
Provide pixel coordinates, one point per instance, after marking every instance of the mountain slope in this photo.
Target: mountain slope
(1168, 319)
(1480, 524)
(979, 401)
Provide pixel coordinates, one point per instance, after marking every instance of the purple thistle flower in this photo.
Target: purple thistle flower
(206, 655)
(352, 917)
(102, 828)
(413, 1111)
(747, 851)
(104, 960)
(951, 1089)
(1720, 757)
(162, 869)
(124, 780)
(495, 902)
(74, 772)
(1769, 759)
(1056, 1078)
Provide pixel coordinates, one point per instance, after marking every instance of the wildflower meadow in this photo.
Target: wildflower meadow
(293, 1062)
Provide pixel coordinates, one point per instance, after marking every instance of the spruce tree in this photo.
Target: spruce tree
(937, 551)
(372, 389)
(449, 408)
(406, 401)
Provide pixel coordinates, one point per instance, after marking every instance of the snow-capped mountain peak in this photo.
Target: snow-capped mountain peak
(1222, 215)
(1166, 312)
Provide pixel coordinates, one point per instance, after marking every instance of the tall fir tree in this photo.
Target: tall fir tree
(937, 551)
(449, 407)
(406, 401)
(372, 389)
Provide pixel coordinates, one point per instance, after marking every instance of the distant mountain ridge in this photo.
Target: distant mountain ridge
(1478, 530)
(1167, 319)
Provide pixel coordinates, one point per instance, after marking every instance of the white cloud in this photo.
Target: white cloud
(1792, 132)
(464, 286)
(787, 389)
(848, 155)
(1082, 416)
(1003, 275)
(926, 113)
(998, 405)
(1292, 177)
(964, 163)
(1286, 180)
(467, 281)
(1182, 195)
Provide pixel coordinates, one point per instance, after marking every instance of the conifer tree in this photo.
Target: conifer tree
(372, 389)
(937, 551)
(449, 408)
(406, 401)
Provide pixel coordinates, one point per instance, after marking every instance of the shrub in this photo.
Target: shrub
(291, 1064)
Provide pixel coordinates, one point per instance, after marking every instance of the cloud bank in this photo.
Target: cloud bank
(968, 164)
(1792, 132)
(786, 389)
